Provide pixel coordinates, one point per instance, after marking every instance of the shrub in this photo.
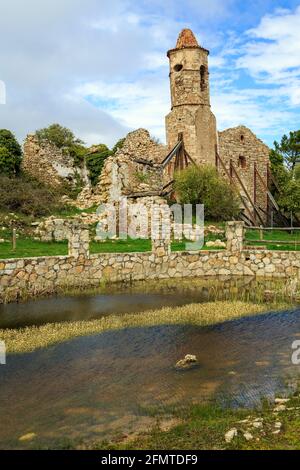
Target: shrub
(10, 161)
(58, 135)
(203, 185)
(118, 145)
(7, 162)
(95, 163)
(27, 196)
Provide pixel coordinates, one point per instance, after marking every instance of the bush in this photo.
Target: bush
(7, 162)
(58, 135)
(289, 199)
(10, 160)
(203, 185)
(95, 163)
(28, 196)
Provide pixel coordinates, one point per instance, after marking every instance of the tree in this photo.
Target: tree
(289, 200)
(203, 185)
(289, 149)
(13, 160)
(7, 162)
(284, 159)
(59, 136)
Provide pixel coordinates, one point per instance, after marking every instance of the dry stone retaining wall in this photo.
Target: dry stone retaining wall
(36, 275)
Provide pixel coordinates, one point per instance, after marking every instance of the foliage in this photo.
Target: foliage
(289, 149)
(118, 145)
(284, 168)
(297, 173)
(7, 162)
(27, 196)
(64, 139)
(58, 135)
(202, 185)
(289, 200)
(10, 161)
(95, 163)
(141, 177)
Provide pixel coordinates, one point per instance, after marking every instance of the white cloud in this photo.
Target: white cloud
(142, 103)
(272, 55)
(101, 69)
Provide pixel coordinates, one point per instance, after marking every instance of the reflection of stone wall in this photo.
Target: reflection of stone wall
(49, 164)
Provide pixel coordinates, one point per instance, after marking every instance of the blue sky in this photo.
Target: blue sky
(100, 67)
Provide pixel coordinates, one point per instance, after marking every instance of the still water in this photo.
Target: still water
(93, 387)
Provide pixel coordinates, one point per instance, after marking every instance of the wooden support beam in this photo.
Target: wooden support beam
(220, 161)
(246, 192)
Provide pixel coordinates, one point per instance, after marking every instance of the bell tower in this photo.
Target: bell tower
(191, 115)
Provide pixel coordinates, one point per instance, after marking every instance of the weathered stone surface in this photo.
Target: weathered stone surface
(49, 164)
(240, 146)
(80, 268)
(190, 97)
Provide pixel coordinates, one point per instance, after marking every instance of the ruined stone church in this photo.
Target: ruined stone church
(143, 170)
(237, 153)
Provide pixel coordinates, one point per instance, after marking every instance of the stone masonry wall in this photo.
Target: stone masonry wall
(241, 145)
(49, 164)
(134, 169)
(36, 275)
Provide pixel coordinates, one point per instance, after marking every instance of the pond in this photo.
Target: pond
(92, 387)
(136, 297)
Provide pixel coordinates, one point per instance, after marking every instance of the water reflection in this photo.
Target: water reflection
(90, 387)
(140, 296)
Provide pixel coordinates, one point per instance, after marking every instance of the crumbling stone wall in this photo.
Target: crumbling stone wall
(241, 146)
(135, 168)
(49, 164)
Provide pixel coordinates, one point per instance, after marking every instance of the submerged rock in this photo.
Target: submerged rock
(188, 362)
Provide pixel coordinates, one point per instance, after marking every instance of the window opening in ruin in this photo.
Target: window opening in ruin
(178, 67)
(202, 77)
(242, 162)
(242, 138)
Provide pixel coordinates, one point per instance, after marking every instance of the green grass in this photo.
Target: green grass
(271, 236)
(28, 248)
(203, 427)
(70, 211)
(120, 246)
